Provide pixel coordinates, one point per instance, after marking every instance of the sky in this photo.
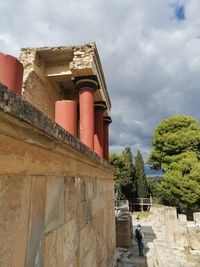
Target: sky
(149, 50)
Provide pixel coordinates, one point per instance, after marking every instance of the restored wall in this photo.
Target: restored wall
(56, 195)
(43, 96)
(36, 88)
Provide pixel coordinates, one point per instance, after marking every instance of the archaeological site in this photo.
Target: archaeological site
(57, 199)
(56, 185)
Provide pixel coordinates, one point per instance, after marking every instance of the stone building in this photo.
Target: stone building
(56, 185)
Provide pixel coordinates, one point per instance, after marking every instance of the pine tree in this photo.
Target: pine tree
(176, 150)
(141, 181)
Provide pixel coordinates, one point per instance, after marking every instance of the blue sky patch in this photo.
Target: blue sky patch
(180, 12)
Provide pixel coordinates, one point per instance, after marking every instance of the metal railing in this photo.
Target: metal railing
(135, 204)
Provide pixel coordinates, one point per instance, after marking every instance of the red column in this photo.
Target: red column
(11, 73)
(100, 107)
(66, 115)
(106, 122)
(86, 104)
(87, 86)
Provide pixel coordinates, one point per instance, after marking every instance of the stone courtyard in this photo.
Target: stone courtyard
(169, 241)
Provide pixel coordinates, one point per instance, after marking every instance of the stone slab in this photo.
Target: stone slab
(69, 198)
(13, 249)
(14, 204)
(196, 216)
(53, 254)
(54, 213)
(35, 247)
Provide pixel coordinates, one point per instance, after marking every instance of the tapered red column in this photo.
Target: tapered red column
(106, 122)
(66, 115)
(87, 86)
(11, 73)
(100, 107)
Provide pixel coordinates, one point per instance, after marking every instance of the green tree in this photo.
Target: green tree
(124, 175)
(172, 137)
(176, 150)
(118, 162)
(129, 185)
(140, 176)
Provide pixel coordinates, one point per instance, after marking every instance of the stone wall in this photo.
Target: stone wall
(41, 94)
(56, 195)
(178, 241)
(37, 90)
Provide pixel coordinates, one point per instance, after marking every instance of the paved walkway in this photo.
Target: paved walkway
(130, 257)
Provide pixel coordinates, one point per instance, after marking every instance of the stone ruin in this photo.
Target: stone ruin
(178, 240)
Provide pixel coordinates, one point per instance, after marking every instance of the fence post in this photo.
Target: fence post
(141, 204)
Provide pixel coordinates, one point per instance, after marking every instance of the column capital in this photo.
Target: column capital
(107, 120)
(100, 106)
(86, 82)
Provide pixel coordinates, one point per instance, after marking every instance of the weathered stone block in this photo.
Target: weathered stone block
(182, 218)
(87, 240)
(97, 204)
(99, 222)
(170, 223)
(100, 186)
(13, 249)
(70, 242)
(53, 254)
(180, 235)
(196, 216)
(89, 260)
(193, 237)
(35, 247)
(14, 204)
(124, 230)
(82, 190)
(85, 213)
(54, 215)
(69, 198)
(89, 188)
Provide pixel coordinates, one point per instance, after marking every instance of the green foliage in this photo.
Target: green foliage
(174, 136)
(153, 188)
(141, 181)
(176, 150)
(180, 190)
(117, 161)
(128, 188)
(124, 175)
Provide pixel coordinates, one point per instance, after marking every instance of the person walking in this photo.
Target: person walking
(139, 235)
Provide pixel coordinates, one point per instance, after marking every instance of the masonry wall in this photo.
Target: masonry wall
(41, 94)
(56, 196)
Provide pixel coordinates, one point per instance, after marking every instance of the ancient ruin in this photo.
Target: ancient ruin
(56, 191)
(170, 241)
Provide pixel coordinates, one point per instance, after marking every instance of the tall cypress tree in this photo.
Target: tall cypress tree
(141, 181)
(125, 183)
(129, 186)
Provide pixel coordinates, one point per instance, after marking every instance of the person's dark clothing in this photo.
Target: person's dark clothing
(139, 237)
